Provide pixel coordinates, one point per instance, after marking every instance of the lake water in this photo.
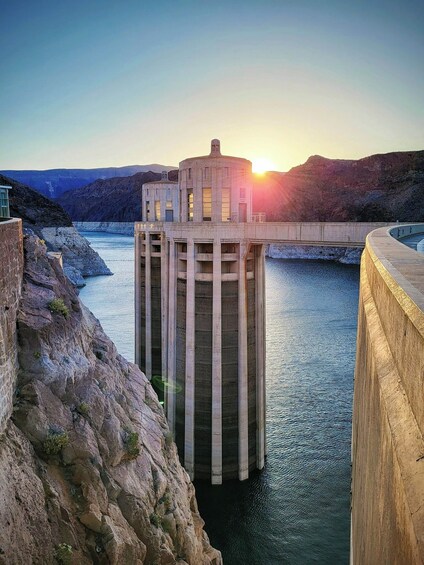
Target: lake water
(296, 511)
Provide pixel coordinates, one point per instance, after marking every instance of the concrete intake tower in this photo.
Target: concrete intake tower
(200, 317)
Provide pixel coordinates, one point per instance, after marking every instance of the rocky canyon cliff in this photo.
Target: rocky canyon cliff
(51, 223)
(89, 472)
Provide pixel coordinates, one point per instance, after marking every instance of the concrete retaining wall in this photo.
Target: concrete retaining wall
(11, 271)
(123, 228)
(388, 416)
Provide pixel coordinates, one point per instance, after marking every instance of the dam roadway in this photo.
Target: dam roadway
(332, 234)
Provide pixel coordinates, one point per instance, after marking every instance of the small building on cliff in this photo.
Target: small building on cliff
(4, 202)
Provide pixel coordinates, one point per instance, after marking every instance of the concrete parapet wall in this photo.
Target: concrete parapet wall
(334, 234)
(388, 416)
(123, 228)
(11, 271)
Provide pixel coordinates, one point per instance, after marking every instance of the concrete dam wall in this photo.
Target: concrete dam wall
(388, 416)
(11, 272)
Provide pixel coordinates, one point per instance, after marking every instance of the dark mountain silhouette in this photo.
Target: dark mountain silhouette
(114, 200)
(35, 209)
(53, 182)
(386, 187)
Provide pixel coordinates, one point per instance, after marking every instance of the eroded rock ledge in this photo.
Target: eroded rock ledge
(88, 467)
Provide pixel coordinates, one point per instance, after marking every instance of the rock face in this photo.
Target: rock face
(123, 228)
(50, 222)
(339, 254)
(34, 209)
(76, 250)
(88, 469)
(381, 188)
(111, 200)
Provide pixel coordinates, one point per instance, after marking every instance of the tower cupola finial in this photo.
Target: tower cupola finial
(215, 147)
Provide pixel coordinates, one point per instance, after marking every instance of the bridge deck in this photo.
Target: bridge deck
(335, 234)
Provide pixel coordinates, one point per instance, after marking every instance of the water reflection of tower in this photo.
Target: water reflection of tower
(200, 314)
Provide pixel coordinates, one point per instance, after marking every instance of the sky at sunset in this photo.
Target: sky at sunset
(94, 84)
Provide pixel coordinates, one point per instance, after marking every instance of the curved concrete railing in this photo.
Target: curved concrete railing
(388, 415)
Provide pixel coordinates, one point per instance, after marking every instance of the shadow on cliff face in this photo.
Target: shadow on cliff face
(88, 469)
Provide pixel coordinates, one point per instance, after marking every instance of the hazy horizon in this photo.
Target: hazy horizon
(105, 84)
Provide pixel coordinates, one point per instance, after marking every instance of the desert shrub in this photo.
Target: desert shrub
(131, 443)
(83, 409)
(156, 520)
(56, 440)
(63, 554)
(57, 306)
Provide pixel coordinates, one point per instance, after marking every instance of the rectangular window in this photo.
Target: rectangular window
(207, 204)
(206, 172)
(242, 193)
(190, 205)
(157, 210)
(226, 205)
(169, 204)
(189, 173)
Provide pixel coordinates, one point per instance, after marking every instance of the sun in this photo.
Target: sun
(261, 165)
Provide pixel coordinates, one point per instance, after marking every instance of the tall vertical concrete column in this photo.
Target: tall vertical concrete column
(189, 377)
(137, 297)
(148, 297)
(260, 353)
(217, 367)
(243, 413)
(171, 343)
(164, 291)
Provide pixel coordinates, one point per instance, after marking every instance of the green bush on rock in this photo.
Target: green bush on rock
(56, 440)
(63, 554)
(131, 444)
(57, 306)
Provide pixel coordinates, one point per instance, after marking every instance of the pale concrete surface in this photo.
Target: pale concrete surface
(345, 234)
(388, 416)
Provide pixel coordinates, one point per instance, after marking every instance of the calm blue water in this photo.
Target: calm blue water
(297, 510)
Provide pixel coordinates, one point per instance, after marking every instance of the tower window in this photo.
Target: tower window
(190, 205)
(157, 210)
(242, 193)
(189, 173)
(207, 204)
(226, 204)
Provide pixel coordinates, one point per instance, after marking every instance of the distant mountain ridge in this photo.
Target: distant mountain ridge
(53, 182)
(111, 200)
(382, 187)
